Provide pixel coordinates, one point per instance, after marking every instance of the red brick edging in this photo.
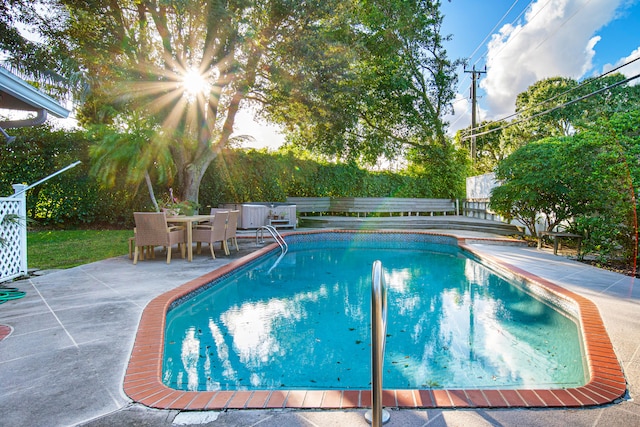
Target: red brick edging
(143, 384)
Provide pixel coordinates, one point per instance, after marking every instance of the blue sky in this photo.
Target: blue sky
(523, 41)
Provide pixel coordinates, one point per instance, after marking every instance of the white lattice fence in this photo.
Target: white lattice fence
(13, 248)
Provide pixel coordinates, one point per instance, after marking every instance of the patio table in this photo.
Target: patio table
(189, 220)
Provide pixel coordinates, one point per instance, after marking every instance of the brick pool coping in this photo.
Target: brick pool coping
(143, 384)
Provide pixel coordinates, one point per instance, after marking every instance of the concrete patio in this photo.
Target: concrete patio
(64, 362)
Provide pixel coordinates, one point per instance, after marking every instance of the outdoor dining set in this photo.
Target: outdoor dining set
(159, 229)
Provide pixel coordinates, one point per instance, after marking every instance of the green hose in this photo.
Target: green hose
(7, 294)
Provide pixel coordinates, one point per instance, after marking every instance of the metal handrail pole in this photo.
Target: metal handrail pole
(268, 228)
(276, 236)
(29, 187)
(259, 236)
(377, 416)
(279, 240)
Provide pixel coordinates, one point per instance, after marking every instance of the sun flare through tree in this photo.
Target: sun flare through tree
(188, 67)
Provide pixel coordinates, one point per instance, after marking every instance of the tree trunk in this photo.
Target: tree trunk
(207, 151)
(191, 176)
(152, 195)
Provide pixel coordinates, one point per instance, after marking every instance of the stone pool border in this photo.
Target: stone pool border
(143, 384)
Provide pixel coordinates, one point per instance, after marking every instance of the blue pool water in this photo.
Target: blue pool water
(305, 324)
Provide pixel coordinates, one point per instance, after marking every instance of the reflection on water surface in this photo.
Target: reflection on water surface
(305, 324)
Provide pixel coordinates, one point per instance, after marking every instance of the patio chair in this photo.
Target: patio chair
(232, 228)
(212, 212)
(152, 230)
(147, 249)
(203, 233)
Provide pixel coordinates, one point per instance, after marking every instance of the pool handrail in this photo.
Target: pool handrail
(276, 236)
(279, 240)
(377, 415)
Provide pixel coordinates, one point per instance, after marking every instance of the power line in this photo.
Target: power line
(554, 108)
(490, 33)
(546, 101)
(493, 29)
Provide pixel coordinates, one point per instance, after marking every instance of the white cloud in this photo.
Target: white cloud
(629, 70)
(556, 38)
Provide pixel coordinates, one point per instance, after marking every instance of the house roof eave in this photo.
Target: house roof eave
(16, 94)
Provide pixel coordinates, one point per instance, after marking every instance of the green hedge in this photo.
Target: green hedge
(259, 176)
(74, 199)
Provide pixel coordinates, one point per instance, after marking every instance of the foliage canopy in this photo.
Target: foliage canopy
(552, 107)
(586, 182)
(352, 79)
(76, 199)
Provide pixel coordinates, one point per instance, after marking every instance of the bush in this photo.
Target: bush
(72, 199)
(586, 181)
(238, 176)
(75, 199)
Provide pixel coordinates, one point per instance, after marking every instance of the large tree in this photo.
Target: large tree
(587, 181)
(561, 106)
(537, 117)
(491, 146)
(362, 76)
(187, 65)
(392, 96)
(613, 95)
(532, 186)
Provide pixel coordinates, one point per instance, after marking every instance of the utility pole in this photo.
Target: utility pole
(474, 78)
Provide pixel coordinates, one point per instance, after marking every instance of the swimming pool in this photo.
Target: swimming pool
(143, 381)
(303, 322)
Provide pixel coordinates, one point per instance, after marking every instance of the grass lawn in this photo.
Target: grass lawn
(70, 248)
